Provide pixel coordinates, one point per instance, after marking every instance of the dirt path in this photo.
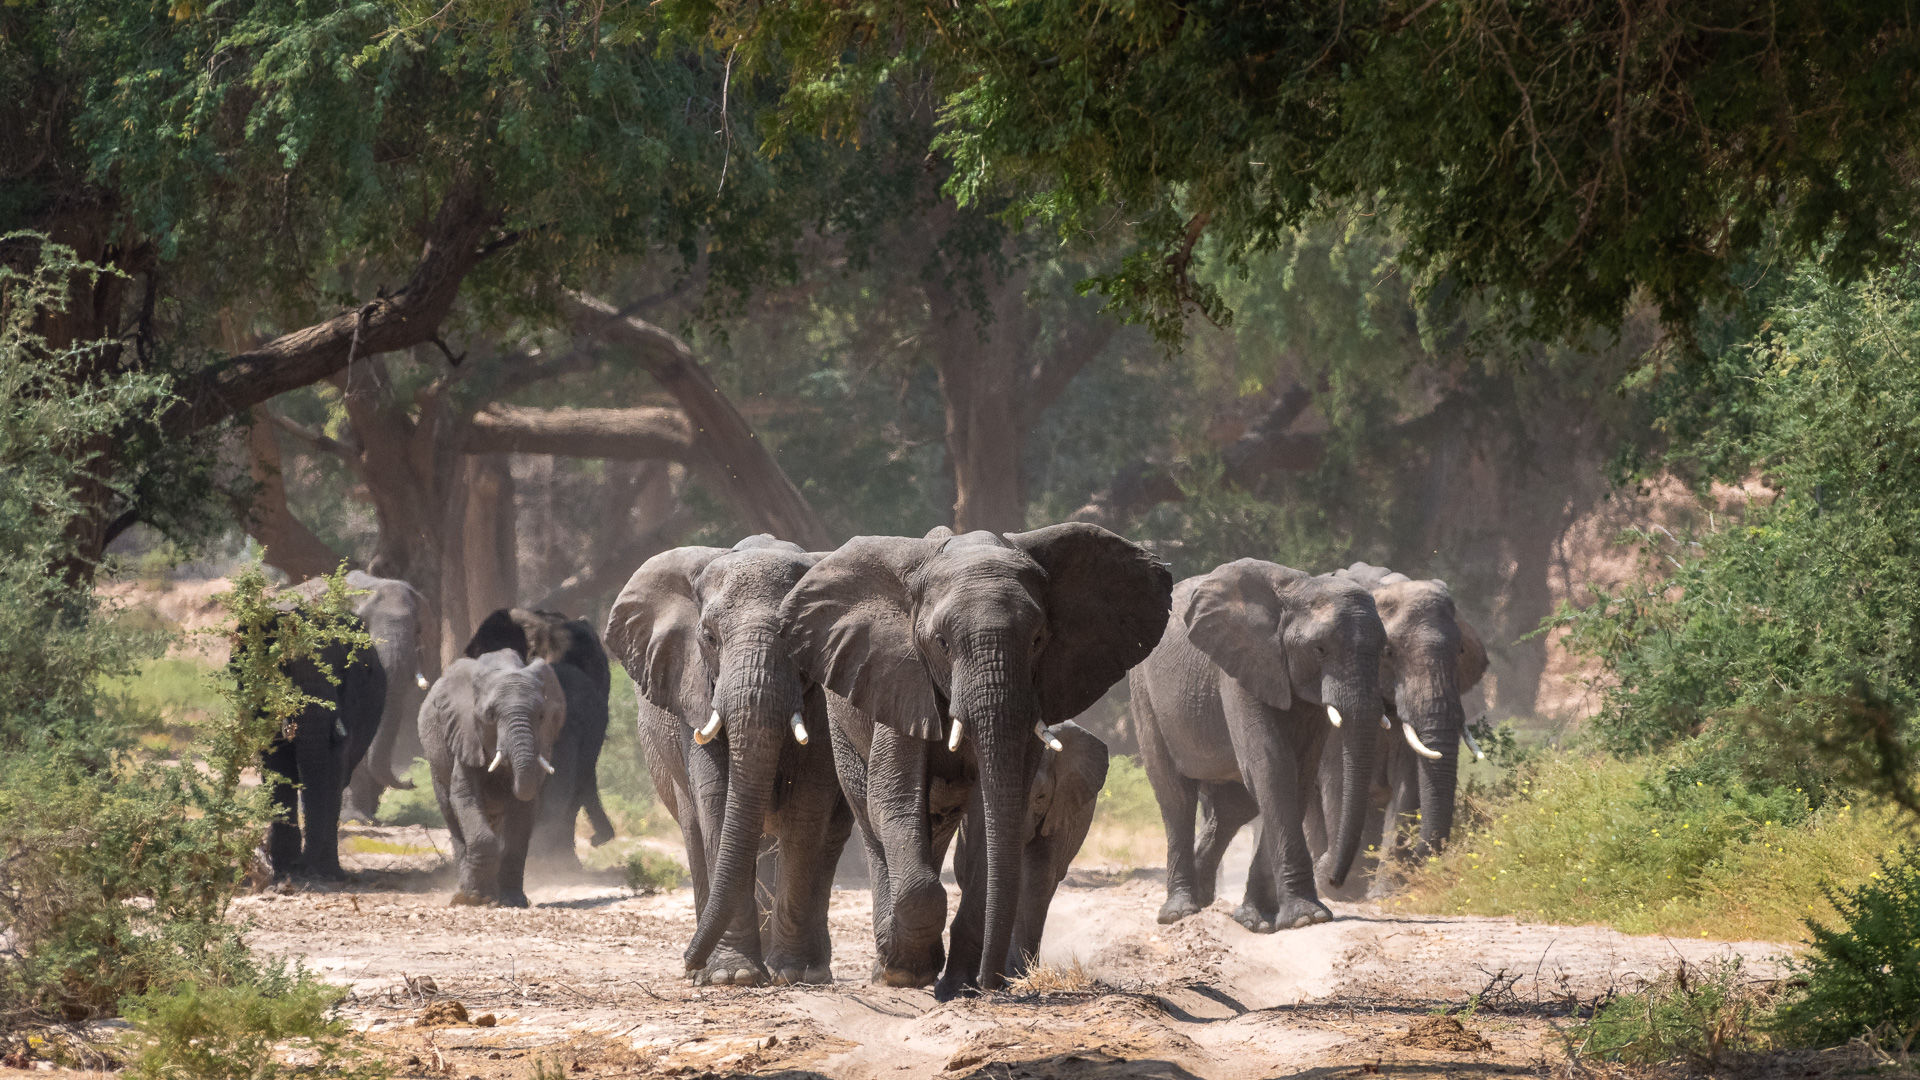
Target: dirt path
(588, 980)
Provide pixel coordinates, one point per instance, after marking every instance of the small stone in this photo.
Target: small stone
(770, 1042)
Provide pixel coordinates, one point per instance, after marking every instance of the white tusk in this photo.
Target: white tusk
(420, 680)
(953, 736)
(545, 764)
(799, 729)
(1053, 741)
(1478, 754)
(497, 756)
(705, 735)
(1419, 747)
(1333, 716)
(1385, 724)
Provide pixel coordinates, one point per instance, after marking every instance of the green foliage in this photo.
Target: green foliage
(1127, 798)
(242, 1032)
(650, 871)
(1699, 1014)
(419, 806)
(1579, 839)
(1793, 628)
(1861, 972)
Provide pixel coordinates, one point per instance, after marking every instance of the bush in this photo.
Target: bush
(1646, 846)
(1862, 975)
(240, 1032)
(1696, 1014)
(399, 806)
(650, 871)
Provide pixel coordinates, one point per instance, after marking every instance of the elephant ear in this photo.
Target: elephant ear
(1106, 602)
(1079, 771)
(1473, 656)
(654, 629)
(453, 707)
(1237, 616)
(849, 621)
(553, 706)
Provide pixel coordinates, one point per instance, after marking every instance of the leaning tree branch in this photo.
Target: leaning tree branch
(456, 243)
(614, 434)
(746, 473)
(319, 440)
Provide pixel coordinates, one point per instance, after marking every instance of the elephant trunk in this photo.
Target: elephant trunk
(516, 738)
(1001, 719)
(1431, 709)
(398, 711)
(755, 703)
(1362, 707)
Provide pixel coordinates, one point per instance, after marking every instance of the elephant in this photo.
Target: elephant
(406, 635)
(1235, 705)
(945, 659)
(317, 751)
(1059, 813)
(1432, 657)
(485, 712)
(726, 722)
(579, 661)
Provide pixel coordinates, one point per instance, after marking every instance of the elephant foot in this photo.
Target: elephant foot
(353, 815)
(320, 872)
(1177, 907)
(951, 987)
(791, 970)
(465, 898)
(598, 838)
(888, 975)
(1292, 915)
(516, 898)
(729, 967)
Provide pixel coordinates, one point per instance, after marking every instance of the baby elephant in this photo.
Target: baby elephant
(488, 729)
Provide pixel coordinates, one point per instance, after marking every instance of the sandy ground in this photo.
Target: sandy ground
(588, 982)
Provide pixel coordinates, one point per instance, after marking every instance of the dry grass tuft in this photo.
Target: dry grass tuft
(1043, 979)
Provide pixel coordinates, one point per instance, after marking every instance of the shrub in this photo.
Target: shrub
(241, 1032)
(650, 871)
(1862, 975)
(1698, 1014)
(1646, 846)
(399, 806)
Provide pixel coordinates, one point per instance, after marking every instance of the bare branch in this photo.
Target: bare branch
(614, 434)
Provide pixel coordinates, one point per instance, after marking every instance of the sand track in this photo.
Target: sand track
(589, 979)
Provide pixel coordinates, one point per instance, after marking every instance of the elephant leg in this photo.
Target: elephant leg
(736, 960)
(456, 835)
(479, 866)
(362, 799)
(1225, 808)
(969, 921)
(596, 813)
(812, 830)
(516, 835)
(1323, 807)
(322, 763)
(896, 783)
(851, 768)
(555, 812)
(666, 760)
(1178, 797)
(278, 768)
(1274, 767)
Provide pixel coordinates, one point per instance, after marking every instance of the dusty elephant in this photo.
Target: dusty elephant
(1256, 660)
(406, 635)
(945, 658)
(488, 727)
(326, 741)
(579, 661)
(727, 723)
(1432, 657)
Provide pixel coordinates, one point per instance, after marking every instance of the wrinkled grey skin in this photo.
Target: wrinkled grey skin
(1233, 704)
(1433, 657)
(1058, 815)
(483, 727)
(910, 636)
(406, 634)
(327, 741)
(699, 630)
(580, 663)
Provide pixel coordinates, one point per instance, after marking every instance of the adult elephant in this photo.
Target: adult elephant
(309, 764)
(1059, 813)
(406, 637)
(727, 722)
(1236, 699)
(1432, 657)
(579, 663)
(945, 657)
(489, 727)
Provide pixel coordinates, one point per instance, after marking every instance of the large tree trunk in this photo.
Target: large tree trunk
(487, 538)
(288, 545)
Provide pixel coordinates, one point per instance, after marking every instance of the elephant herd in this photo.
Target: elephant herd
(923, 690)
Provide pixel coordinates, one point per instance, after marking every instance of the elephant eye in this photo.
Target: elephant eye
(706, 635)
(942, 639)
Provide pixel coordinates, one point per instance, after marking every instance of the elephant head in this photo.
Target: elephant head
(1285, 635)
(497, 711)
(700, 631)
(973, 642)
(1432, 657)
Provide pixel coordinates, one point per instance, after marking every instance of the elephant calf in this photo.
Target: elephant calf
(488, 728)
